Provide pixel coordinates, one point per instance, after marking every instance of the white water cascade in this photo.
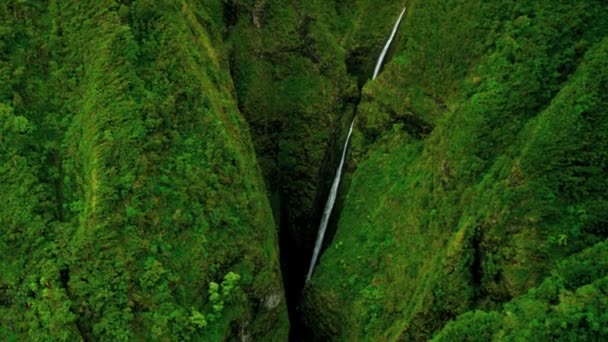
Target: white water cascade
(329, 205)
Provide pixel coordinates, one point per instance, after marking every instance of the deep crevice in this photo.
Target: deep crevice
(296, 249)
(230, 13)
(297, 233)
(476, 267)
(295, 265)
(64, 278)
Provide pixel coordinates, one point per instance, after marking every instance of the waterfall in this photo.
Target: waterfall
(329, 205)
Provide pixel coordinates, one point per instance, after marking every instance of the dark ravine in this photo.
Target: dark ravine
(293, 267)
(447, 208)
(296, 231)
(333, 193)
(296, 250)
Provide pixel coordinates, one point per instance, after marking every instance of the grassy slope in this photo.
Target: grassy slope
(509, 181)
(130, 179)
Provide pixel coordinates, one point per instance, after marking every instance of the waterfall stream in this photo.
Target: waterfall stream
(329, 205)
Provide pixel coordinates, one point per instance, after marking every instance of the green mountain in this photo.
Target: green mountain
(164, 165)
(478, 181)
(134, 206)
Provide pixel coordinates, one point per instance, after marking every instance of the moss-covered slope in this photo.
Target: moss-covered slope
(478, 164)
(133, 203)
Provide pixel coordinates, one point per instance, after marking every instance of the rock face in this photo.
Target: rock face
(134, 207)
(478, 173)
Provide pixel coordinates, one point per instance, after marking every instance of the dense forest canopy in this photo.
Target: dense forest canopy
(164, 165)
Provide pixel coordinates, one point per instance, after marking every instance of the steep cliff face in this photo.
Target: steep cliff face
(293, 89)
(478, 167)
(298, 67)
(133, 204)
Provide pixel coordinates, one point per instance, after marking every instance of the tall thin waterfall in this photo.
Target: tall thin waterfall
(334, 186)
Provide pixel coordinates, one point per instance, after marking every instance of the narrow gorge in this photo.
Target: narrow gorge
(337, 178)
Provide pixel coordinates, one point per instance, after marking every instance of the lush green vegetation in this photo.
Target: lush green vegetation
(481, 160)
(130, 185)
(150, 151)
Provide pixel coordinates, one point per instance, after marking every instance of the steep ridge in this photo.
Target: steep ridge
(134, 206)
(468, 188)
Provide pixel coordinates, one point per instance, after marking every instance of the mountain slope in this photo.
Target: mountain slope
(479, 164)
(150, 152)
(135, 205)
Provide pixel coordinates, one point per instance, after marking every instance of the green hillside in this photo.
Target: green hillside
(134, 206)
(164, 165)
(479, 164)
